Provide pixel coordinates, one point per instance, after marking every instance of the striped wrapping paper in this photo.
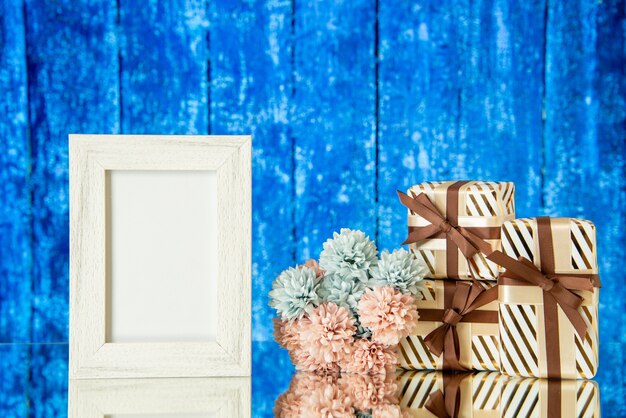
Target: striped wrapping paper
(522, 327)
(479, 393)
(531, 397)
(481, 204)
(479, 342)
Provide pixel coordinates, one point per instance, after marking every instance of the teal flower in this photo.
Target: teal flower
(349, 254)
(400, 270)
(342, 291)
(294, 292)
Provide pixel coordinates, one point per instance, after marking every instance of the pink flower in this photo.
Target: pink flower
(370, 357)
(388, 411)
(327, 401)
(287, 333)
(326, 334)
(314, 265)
(302, 384)
(390, 314)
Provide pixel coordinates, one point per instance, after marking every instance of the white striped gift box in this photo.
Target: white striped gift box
(481, 205)
(523, 337)
(479, 342)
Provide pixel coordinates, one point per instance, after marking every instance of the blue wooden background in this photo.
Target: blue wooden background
(347, 101)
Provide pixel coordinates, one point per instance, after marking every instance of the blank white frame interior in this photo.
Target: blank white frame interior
(160, 256)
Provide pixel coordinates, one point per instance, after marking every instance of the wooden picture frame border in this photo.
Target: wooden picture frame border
(91, 156)
(225, 397)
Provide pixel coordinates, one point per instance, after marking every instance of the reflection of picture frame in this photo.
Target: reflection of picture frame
(160, 256)
(198, 397)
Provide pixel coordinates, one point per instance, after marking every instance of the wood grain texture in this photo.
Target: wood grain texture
(15, 209)
(333, 121)
(73, 87)
(584, 135)
(419, 90)
(14, 380)
(251, 88)
(163, 73)
(501, 95)
(47, 381)
(218, 397)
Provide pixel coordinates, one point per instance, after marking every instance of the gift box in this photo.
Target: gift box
(457, 328)
(542, 398)
(439, 394)
(549, 298)
(443, 215)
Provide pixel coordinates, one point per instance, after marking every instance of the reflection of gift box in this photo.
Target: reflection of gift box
(480, 207)
(476, 330)
(531, 397)
(437, 394)
(540, 327)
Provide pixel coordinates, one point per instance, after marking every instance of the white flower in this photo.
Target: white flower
(294, 292)
(399, 269)
(342, 291)
(349, 254)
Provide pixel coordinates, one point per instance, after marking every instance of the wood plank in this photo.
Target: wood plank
(15, 232)
(419, 90)
(47, 381)
(163, 57)
(334, 121)
(460, 97)
(585, 151)
(14, 379)
(73, 88)
(251, 87)
(501, 98)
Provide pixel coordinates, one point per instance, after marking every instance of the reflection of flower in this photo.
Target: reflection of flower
(388, 411)
(334, 395)
(327, 332)
(400, 270)
(294, 292)
(388, 313)
(327, 401)
(287, 406)
(344, 292)
(314, 265)
(370, 391)
(370, 357)
(349, 254)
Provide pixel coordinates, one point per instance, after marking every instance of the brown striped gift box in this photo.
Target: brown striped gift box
(543, 398)
(480, 207)
(550, 328)
(442, 395)
(476, 328)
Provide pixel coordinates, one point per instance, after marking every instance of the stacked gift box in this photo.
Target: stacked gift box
(515, 296)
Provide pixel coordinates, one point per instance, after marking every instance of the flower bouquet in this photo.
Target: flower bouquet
(352, 395)
(347, 312)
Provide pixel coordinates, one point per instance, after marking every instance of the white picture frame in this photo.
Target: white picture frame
(93, 159)
(220, 397)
